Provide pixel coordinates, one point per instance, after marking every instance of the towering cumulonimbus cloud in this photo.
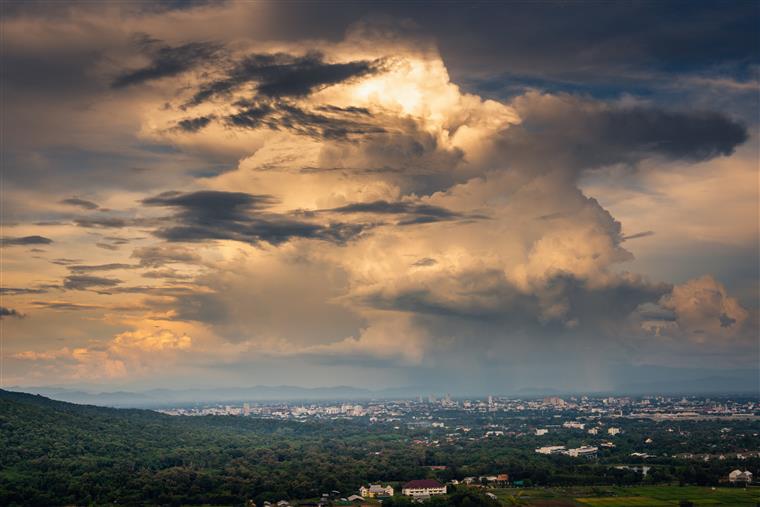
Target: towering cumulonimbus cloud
(367, 212)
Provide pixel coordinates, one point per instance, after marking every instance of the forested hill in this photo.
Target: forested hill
(57, 453)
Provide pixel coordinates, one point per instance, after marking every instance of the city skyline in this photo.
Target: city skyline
(481, 198)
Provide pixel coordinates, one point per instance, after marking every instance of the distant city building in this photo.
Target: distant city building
(541, 431)
(574, 425)
(375, 490)
(554, 401)
(423, 488)
(613, 431)
(593, 431)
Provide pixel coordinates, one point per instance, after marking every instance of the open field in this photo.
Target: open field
(649, 496)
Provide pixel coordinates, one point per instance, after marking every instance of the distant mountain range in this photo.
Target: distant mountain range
(163, 397)
(658, 381)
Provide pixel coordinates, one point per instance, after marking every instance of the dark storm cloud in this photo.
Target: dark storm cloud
(81, 203)
(99, 267)
(166, 61)
(575, 133)
(84, 282)
(424, 262)
(157, 256)
(414, 213)
(10, 312)
(194, 124)
(64, 306)
(678, 135)
(643, 234)
(212, 203)
(606, 47)
(726, 321)
(332, 123)
(24, 240)
(19, 291)
(322, 126)
(63, 261)
(171, 274)
(102, 222)
(653, 311)
(283, 75)
(210, 215)
(487, 296)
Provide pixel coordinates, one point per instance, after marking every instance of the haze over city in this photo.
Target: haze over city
(549, 197)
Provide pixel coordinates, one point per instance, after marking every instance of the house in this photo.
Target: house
(375, 490)
(422, 488)
(541, 431)
(613, 431)
(492, 496)
(583, 451)
(551, 449)
(739, 477)
(355, 498)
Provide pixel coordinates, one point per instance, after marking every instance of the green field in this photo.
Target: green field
(650, 496)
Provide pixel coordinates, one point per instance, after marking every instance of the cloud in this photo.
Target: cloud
(102, 222)
(194, 124)
(238, 216)
(643, 234)
(588, 134)
(85, 282)
(517, 273)
(151, 340)
(65, 306)
(24, 240)
(424, 262)
(703, 304)
(81, 268)
(166, 61)
(80, 203)
(337, 124)
(18, 291)
(157, 256)
(281, 75)
(415, 213)
(10, 312)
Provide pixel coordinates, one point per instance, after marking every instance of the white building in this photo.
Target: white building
(375, 490)
(551, 449)
(541, 431)
(737, 476)
(423, 488)
(582, 451)
(613, 431)
(573, 425)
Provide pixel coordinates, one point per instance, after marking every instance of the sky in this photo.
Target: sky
(471, 197)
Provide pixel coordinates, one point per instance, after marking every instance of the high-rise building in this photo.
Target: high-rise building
(246, 409)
